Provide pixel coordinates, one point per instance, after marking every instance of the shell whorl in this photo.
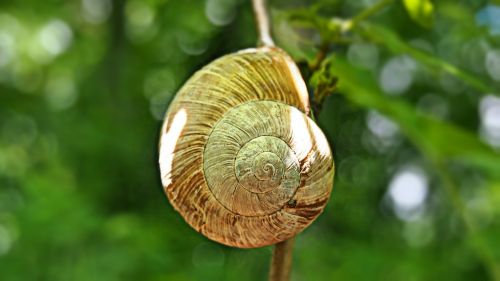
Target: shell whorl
(239, 157)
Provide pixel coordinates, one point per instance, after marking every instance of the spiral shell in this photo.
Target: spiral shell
(239, 157)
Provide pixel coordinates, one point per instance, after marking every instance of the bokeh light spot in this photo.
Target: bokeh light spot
(489, 110)
(7, 48)
(96, 11)
(380, 125)
(220, 12)
(5, 240)
(490, 17)
(397, 75)
(55, 37)
(493, 64)
(384, 132)
(140, 21)
(363, 55)
(408, 190)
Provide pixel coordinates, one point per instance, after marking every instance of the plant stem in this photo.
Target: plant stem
(281, 262)
(320, 56)
(368, 12)
(262, 23)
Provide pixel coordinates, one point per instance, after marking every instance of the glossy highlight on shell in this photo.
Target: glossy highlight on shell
(240, 159)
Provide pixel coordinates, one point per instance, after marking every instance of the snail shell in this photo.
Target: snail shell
(240, 159)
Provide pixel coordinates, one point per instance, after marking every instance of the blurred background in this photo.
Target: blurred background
(414, 124)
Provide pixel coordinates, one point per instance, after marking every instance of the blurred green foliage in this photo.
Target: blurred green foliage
(414, 123)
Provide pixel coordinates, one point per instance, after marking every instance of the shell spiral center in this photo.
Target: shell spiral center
(249, 164)
(265, 163)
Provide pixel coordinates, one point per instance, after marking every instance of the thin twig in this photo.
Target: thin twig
(320, 56)
(281, 263)
(262, 22)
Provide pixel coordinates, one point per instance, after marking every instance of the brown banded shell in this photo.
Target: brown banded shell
(240, 159)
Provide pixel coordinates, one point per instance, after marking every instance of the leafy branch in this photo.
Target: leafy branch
(391, 41)
(426, 133)
(337, 31)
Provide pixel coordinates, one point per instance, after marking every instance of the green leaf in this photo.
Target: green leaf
(430, 135)
(389, 39)
(421, 11)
